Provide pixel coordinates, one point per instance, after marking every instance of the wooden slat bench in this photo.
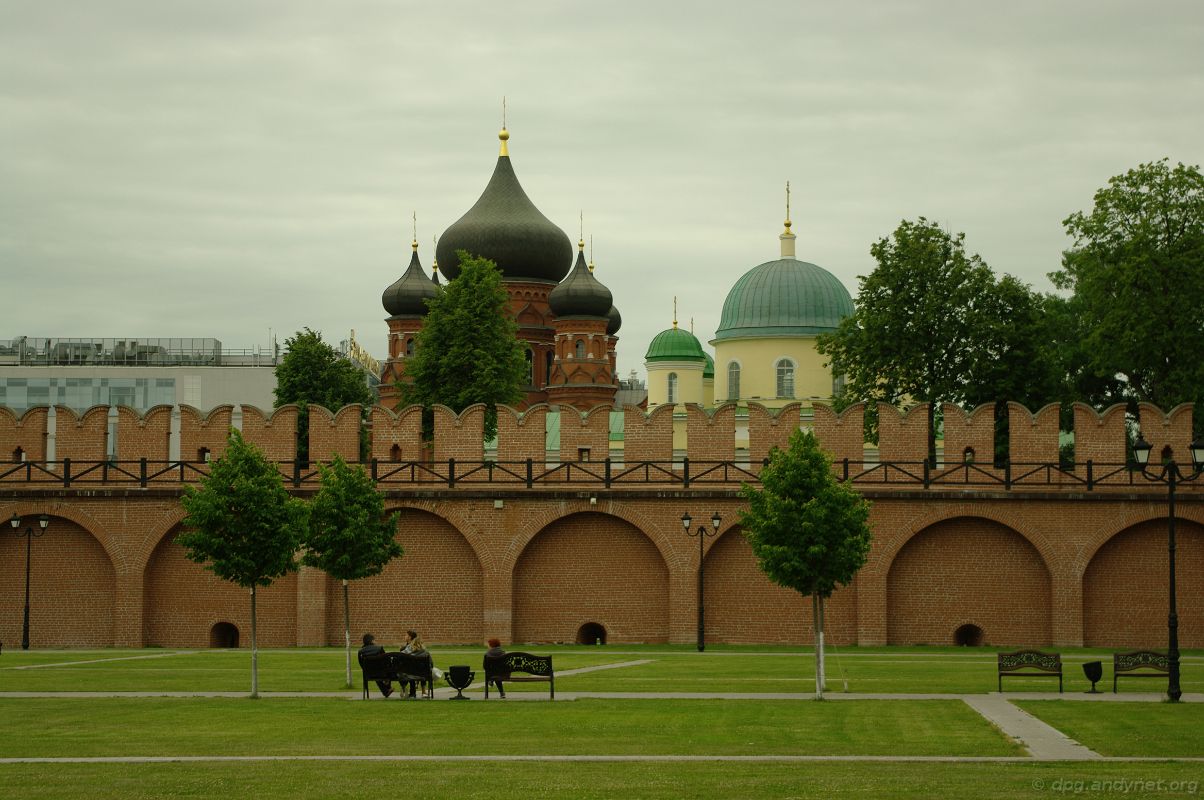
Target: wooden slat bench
(535, 669)
(1031, 663)
(1125, 664)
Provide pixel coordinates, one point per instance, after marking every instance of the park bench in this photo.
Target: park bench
(1125, 664)
(1031, 663)
(400, 667)
(535, 669)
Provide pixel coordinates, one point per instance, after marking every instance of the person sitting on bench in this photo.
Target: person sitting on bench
(371, 648)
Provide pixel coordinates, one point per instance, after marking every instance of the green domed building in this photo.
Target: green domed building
(765, 343)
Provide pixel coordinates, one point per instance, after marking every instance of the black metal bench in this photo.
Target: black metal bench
(1125, 664)
(535, 669)
(400, 667)
(1032, 664)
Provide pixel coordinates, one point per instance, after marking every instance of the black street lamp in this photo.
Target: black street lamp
(1171, 476)
(43, 521)
(701, 533)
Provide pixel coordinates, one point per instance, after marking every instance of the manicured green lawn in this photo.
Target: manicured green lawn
(595, 781)
(671, 669)
(327, 726)
(1170, 730)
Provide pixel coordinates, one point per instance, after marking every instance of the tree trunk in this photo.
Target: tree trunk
(816, 626)
(347, 631)
(254, 651)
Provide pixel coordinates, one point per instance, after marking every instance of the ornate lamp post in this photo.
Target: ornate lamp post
(701, 533)
(43, 521)
(1171, 476)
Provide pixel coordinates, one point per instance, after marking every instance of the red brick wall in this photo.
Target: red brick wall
(71, 587)
(403, 429)
(522, 435)
(1167, 430)
(968, 571)
(647, 437)
(183, 601)
(83, 437)
(434, 588)
(711, 436)
(27, 432)
(767, 430)
(590, 431)
(744, 606)
(843, 434)
(209, 431)
(334, 433)
(460, 436)
(1125, 594)
(591, 568)
(276, 435)
(902, 436)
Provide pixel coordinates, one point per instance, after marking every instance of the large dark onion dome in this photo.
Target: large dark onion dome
(407, 296)
(506, 227)
(581, 294)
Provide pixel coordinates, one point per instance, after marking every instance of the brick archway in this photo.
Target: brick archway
(1125, 587)
(969, 571)
(591, 567)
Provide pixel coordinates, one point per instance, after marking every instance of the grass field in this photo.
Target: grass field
(671, 669)
(330, 747)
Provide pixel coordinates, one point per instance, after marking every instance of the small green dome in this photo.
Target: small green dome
(675, 344)
(786, 297)
(709, 370)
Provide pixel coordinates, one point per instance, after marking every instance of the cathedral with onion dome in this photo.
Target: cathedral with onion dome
(566, 317)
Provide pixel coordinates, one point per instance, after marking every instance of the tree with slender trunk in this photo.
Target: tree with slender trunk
(243, 525)
(349, 536)
(809, 531)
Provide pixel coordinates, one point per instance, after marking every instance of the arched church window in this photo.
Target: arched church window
(580, 350)
(733, 381)
(785, 369)
(672, 387)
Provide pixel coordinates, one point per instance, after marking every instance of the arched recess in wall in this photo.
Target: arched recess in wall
(435, 588)
(72, 586)
(1125, 588)
(182, 601)
(968, 571)
(743, 605)
(591, 567)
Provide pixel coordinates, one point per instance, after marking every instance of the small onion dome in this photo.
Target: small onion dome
(506, 227)
(407, 296)
(580, 294)
(675, 344)
(786, 297)
(614, 321)
(709, 370)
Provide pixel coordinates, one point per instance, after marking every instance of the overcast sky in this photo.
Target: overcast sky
(224, 169)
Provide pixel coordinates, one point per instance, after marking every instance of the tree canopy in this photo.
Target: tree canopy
(349, 537)
(933, 324)
(1136, 271)
(468, 349)
(809, 531)
(243, 525)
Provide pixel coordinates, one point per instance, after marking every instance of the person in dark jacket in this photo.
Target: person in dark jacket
(371, 648)
(495, 651)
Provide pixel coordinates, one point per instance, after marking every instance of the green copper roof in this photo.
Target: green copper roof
(709, 370)
(675, 344)
(786, 297)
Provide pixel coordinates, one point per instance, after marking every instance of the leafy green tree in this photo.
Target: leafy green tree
(349, 535)
(1136, 271)
(243, 525)
(311, 371)
(468, 350)
(809, 531)
(933, 325)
